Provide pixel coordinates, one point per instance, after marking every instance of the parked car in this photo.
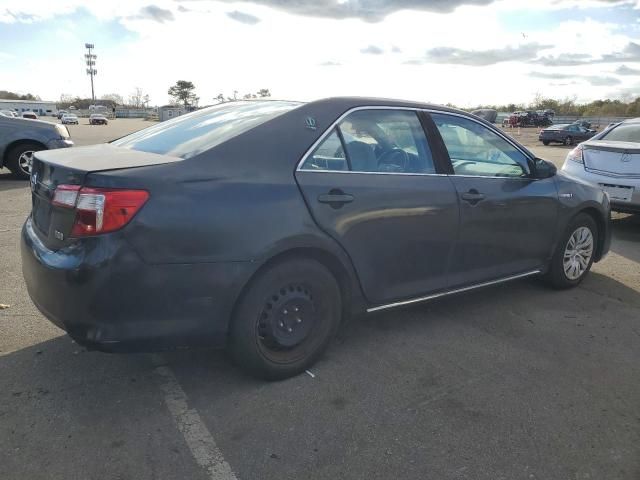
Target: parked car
(70, 118)
(528, 119)
(487, 114)
(565, 134)
(61, 113)
(611, 160)
(271, 220)
(97, 119)
(29, 115)
(8, 113)
(583, 123)
(20, 138)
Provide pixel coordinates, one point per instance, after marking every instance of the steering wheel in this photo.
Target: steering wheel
(394, 160)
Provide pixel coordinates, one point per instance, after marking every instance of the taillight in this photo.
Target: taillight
(575, 155)
(99, 210)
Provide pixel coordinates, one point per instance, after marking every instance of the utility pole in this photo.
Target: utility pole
(91, 63)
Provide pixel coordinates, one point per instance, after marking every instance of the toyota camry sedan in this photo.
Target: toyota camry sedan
(261, 225)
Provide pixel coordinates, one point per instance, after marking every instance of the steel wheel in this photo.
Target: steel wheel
(285, 319)
(578, 253)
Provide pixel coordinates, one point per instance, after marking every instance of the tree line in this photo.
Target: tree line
(6, 95)
(570, 107)
(183, 93)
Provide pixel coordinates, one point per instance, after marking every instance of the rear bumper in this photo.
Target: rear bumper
(633, 206)
(106, 298)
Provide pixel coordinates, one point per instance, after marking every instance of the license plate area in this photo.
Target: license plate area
(617, 192)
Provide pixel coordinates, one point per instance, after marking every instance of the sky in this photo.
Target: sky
(465, 52)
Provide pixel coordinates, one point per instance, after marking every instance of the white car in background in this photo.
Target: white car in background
(69, 118)
(8, 113)
(611, 160)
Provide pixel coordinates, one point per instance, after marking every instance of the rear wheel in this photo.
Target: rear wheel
(568, 141)
(19, 159)
(545, 142)
(573, 257)
(285, 319)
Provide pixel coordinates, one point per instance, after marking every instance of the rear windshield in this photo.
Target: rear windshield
(624, 133)
(196, 132)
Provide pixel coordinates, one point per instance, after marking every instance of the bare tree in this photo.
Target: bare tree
(135, 99)
(113, 97)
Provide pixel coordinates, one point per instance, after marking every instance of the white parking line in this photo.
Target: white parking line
(195, 433)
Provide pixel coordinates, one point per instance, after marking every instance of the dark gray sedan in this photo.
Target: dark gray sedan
(262, 224)
(565, 134)
(20, 138)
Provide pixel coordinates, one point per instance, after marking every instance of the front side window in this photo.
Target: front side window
(188, 135)
(477, 151)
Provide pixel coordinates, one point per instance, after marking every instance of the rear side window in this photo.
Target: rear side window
(329, 155)
(196, 132)
(375, 141)
(623, 133)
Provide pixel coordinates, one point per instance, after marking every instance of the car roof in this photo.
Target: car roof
(631, 120)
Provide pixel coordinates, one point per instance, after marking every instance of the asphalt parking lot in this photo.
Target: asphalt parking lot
(514, 382)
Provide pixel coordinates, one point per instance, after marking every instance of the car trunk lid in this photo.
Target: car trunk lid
(609, 157)
(52, 168)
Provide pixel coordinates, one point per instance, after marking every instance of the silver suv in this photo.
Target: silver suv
(19, 138)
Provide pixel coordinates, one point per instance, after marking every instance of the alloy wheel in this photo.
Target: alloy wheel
(24, 161)
(577, 253)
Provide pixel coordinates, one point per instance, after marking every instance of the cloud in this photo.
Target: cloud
(624, 70)
(564, 60)
(183, 9)
(372, 50)
(630, 53)
(377, 10)
(396, 49)
(595, 80)
(459, 56)
(330, 64)
(155, 13)
(242, 17)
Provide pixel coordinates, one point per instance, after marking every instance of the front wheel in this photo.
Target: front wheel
(19, 159)
(573, 257)
(285, 319)
(545, 142)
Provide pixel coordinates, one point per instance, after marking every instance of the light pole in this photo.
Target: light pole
(91, 63)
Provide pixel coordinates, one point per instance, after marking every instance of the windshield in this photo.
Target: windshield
(191, 134)
(629, 132)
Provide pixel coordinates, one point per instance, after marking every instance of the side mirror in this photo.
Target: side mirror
(544, 169)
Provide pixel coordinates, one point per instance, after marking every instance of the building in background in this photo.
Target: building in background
(40, 107)
(167, 112)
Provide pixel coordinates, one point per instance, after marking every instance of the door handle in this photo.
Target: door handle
(472, 196)
(335, 198)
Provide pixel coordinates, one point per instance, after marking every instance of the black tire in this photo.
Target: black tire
(545, 142)
(285, 319)
(568, 141)
(13, 159)
(556, 276)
